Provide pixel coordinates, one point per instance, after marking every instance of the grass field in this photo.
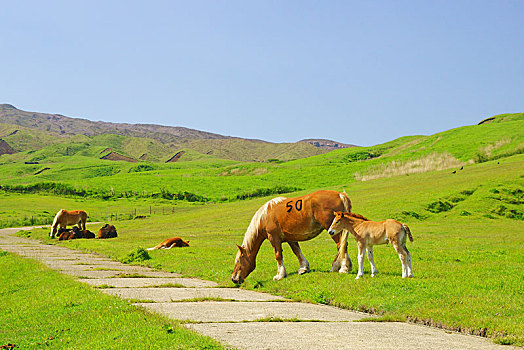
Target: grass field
(467, 254)
(464, 205)
(41, 308)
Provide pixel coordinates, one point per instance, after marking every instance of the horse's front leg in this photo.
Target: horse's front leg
(304, 264)
(276, 242)
(342, 262)
(361, 250)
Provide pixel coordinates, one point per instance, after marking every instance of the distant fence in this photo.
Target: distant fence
(136, 213)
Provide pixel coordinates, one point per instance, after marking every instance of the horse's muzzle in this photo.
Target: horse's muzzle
(237, 280)
(331, 232)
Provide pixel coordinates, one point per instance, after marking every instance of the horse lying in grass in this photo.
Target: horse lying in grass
(74, 233)
(107, 231)
(170, 243)
(64, 218)
(292, 220)
(368, 233)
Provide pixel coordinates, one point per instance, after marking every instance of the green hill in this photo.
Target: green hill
(31, 131)
(215, 178)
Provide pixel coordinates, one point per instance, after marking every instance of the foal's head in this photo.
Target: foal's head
(243, 266)
(337, 225)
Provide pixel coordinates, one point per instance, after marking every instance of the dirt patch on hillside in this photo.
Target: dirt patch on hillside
(116, 156)
(176, 157)
(5, 148)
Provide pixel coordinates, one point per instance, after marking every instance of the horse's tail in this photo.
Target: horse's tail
(254, 225)
(408, 231)
(346, 201)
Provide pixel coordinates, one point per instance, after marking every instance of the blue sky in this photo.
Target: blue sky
(361, 72)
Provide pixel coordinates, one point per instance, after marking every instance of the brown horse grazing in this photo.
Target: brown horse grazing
(292, 220)
(369, 233)
(64, 218)
(170, 243)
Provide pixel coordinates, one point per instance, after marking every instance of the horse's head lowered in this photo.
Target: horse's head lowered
(243, 266)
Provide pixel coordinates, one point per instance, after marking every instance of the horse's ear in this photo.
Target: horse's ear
(242, 249)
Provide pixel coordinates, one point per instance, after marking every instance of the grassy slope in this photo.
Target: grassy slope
(46, 147)
(252, 150)
(468, 267)
(216, 178)
(41, 308)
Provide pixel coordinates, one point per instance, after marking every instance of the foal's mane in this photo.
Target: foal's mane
(357, 216)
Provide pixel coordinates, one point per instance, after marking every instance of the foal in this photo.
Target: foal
(369, 233)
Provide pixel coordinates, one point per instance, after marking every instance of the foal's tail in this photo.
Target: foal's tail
(406, 228)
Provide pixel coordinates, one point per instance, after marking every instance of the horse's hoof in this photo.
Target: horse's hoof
(303, 271)
(335, 267)
(358, 277)
(277, 278)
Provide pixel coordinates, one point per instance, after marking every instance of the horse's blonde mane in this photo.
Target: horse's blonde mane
(57, 216)
(254, 225)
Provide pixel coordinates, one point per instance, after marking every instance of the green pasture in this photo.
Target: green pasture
(75, 164)
(467, 219)
(467, 253)
(41, 308)
(29, 209)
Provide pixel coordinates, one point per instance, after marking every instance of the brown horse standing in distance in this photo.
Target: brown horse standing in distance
(64, 218)
(292, 220)
(368, 233)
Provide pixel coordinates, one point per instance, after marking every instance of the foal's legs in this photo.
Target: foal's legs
(304, 264)
(410, 271)
(402, 254)
(361, 249)
(371, 259)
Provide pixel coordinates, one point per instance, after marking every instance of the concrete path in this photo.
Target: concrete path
(237, 317)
